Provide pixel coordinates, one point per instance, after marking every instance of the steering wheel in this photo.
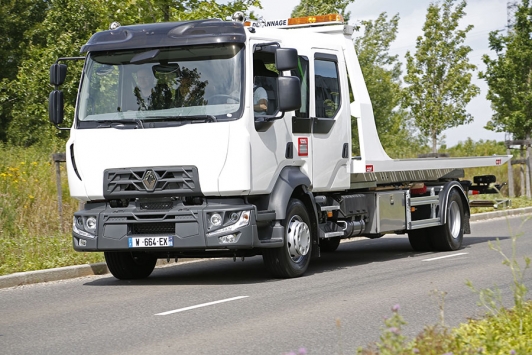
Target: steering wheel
(222, 96)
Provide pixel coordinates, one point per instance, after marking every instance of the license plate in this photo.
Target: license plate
(150, 242)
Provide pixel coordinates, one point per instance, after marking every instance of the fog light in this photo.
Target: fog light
(91, 223)
(216, 220)
(82, 242)
(229, 239)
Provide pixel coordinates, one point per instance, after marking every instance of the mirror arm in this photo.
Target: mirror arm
(68, 58)
(62, 128)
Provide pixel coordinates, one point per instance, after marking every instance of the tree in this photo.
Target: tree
(382, 74)
(509, 76)
(132, 11)
(439, 74)
(322, 7)
(16, 19)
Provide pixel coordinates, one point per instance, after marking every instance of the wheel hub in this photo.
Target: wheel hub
(454, 219)
(298, 237)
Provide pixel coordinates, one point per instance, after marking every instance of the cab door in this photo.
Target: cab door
(329, 110)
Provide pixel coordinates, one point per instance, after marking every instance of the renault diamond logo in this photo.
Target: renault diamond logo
(149, 180)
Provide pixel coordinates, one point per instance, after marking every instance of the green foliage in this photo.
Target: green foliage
(133, 12)
(477, 149)
(16, 19)
(322, 7)
(382, 74)
(439, 73)
(509, 76)
(507, 333)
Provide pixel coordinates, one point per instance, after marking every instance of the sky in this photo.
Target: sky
(485, 15)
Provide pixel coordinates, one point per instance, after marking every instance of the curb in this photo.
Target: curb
(61, 273)
(70, 272)
(503, 213)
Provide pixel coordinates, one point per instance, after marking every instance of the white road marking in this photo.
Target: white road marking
(443, 257)
(200, 305)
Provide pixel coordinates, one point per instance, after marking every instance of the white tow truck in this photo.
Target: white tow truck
(182, 163)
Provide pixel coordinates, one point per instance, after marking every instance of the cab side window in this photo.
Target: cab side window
(302, 72)
(264, 85)
(327, 88)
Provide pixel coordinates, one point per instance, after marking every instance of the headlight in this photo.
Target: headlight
(232, 221)
(85, 226)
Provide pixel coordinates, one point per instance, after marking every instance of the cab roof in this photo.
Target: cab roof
(166, 34)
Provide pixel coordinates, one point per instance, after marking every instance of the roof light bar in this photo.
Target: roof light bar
(297, 21)
(309, 20)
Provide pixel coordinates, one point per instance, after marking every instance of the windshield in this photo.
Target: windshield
(182, 84)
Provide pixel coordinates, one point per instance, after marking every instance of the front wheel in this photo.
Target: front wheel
(293, 259)
(449, 236)
(130, 266)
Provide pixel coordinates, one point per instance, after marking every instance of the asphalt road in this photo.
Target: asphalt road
(223, 307)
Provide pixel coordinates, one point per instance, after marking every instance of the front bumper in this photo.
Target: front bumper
(186, 224)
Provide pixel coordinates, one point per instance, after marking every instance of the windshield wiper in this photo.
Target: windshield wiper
(121, 124)
(206, 118)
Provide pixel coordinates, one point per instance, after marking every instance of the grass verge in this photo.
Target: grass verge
(31, 237)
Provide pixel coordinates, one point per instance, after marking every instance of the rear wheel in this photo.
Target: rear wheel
(130, 266)
(450, 235)
(293, 259)
(329, 245)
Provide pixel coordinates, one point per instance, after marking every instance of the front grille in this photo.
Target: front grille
(144, 182)
(152, 228)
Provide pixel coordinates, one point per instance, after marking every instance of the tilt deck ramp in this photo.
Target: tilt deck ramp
(391, 171)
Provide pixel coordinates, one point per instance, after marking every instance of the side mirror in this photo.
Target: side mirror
(58, 74)
(286, 59)
(55, 107)
(289, 93)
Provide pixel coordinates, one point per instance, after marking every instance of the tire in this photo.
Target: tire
(293, 258)
(449, 236)
(130, 266)
(328, 245)
(420, 240)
